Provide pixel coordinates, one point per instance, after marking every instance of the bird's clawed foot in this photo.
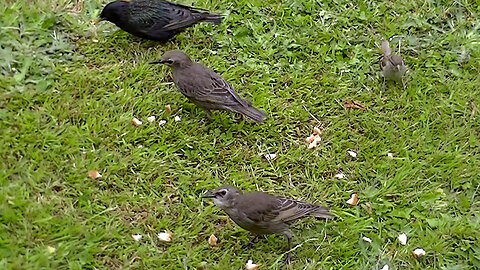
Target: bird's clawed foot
(250, 244)
(403, 84)
(288, 259)
(208, 113)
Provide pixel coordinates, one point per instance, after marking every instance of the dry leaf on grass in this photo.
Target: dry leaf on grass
(353, 105)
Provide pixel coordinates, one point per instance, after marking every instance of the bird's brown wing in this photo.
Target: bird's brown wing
(206, 86)
(383, 62)
(396, 60)
(259, 207)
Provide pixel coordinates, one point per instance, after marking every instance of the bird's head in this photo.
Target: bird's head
(223, 197)
(114, 12)
(174, 59)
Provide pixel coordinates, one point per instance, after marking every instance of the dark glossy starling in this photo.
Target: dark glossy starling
(155, 19)
(206, 88)
(261, 213)
(392, 66)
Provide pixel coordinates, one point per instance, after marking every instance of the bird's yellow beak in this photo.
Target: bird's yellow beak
(97, 21)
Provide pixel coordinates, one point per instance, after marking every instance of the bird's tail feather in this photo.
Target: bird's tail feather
(212, 18)
(386, 48)
(321, 212)
(250, 112)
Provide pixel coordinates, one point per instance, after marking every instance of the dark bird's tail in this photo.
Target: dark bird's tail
(250, 112)
(321, 212)
(212, 18)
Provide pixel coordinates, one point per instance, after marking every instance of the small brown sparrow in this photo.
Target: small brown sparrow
(392, 66)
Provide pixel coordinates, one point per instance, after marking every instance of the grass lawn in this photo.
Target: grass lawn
(69, 89)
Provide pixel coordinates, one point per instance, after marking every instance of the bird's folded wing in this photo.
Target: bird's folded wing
(207, 86)
(259, 207)
(291, 210)
(185, 20)
(147, 14)
(396, 60)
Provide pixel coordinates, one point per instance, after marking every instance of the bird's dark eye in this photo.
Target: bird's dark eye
(222, 193)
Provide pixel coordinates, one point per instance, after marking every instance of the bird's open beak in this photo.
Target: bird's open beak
(208, 195)
(157, 62)
(97, 21)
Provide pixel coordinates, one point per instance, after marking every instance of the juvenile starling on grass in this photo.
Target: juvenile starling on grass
(261, 213)
(154, 19)
(205, 88)
(392, 66)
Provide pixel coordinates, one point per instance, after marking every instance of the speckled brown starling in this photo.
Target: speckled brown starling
(261, 213)
(392, 66)
(206, 88)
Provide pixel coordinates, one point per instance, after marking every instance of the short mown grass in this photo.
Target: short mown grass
(69, 90)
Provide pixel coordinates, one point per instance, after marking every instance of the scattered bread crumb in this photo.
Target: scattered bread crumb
(251, 266)
(366, 239)
(137, 237)
(270, 157)
(310, 138)
(402, 238)
(212, 240)
(136, 122)
(315, 142)
(165, 237)
(353, 199)
(417, 253)
(352, 154)
(168, 109)
(151, 119)
(51, 249)
(94, 175)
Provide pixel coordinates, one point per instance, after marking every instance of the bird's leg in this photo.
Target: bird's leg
(403, 84)
(383, 84)
(288, 259)
(208, 113)
(250, 244)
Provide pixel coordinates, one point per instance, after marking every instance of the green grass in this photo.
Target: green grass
(69, 91)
